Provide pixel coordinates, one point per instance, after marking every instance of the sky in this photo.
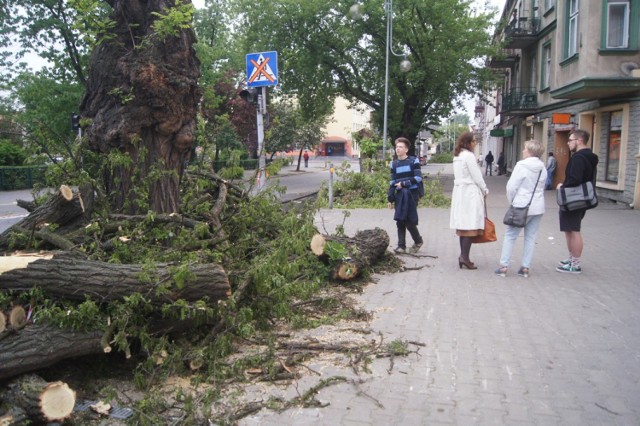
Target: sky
(470, 103)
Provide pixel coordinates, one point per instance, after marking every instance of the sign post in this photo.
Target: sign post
(262, 71)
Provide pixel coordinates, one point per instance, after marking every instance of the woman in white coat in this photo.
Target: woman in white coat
(529, 175)
(468, 197)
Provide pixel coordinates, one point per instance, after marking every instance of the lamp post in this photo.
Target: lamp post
(405, 65)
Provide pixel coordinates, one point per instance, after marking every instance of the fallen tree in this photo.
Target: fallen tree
(361, 252)
(66, 277)
(224, 262)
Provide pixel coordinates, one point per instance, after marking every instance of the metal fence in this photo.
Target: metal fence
(21, 177)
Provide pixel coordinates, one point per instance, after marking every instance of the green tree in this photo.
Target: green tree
(322, 52)
(59, 32)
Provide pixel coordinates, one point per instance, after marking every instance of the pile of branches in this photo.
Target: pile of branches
(160, 288)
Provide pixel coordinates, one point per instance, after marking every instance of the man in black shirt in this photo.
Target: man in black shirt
(581, 168)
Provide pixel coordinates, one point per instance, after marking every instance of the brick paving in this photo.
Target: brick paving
(551, 349)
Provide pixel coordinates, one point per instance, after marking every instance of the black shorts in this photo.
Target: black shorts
(571, 221)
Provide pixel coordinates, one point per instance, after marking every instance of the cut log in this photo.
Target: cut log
(364, 250)
(3, 322)
(75, 279)
(17, 317)
(39, 346)
(318, 241)
(41, 401)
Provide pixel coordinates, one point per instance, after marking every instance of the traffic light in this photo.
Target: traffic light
(75, 122)
(250, 95)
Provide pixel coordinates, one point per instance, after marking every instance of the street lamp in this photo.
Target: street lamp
(356, 12)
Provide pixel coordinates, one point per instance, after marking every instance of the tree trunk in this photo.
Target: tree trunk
(364, 249)
(39, 400)
(142, 103)
(74, 279)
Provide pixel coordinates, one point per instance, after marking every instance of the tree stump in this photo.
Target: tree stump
(364, 250)
(39, 400)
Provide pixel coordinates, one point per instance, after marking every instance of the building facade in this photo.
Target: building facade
(569, 64)
(346, 120)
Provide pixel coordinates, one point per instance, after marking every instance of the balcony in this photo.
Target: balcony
(505, 58)
(520, 101)
(521, 33)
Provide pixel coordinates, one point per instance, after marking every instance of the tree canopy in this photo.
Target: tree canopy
(324, 52)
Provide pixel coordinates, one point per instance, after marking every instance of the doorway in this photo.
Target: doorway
(562, 154)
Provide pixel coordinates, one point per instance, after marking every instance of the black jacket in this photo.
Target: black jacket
(581, 168)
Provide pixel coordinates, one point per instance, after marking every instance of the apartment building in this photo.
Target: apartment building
(346, 120)
(568, 64)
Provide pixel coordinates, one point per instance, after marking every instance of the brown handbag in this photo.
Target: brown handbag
(489, 233)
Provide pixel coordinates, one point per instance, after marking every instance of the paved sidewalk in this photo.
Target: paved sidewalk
(553, 349)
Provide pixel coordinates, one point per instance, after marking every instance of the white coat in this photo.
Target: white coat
(523, 181)
(469, 188)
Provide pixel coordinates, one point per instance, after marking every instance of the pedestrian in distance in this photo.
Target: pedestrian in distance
(306, 158)
(404, 194)
(580, 169)
(551, 170)
(502, 165)
(468, 197)
(488, 159)
(526, 185)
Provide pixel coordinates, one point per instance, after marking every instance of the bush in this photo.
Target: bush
(369, 190)
(442, 157)
(11, 154)
(232, 172)
(275, 166)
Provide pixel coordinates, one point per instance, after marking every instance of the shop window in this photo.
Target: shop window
(612, 161)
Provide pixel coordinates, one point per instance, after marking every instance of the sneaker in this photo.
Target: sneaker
(569, 269)
(523, 272)
(564, 262)
(415, 248)
(400, 250)
(501, 271)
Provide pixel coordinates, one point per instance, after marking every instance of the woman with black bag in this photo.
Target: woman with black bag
(525, 188)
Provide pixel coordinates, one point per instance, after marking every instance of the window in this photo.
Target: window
(617, 29)
(546, 66)
(548, 4)
(572, 28)
(612, 166)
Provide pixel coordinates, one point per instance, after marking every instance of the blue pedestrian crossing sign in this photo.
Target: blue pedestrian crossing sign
(262, 69)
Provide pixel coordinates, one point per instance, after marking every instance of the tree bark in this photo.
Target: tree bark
(39, 346)
(75, 279)
(142, 102)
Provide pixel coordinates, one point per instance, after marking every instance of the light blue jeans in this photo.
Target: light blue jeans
(530, 233)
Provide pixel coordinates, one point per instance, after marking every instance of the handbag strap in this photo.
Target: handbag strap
(534, 189)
